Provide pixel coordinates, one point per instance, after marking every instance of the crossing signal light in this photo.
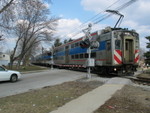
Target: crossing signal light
(85, 43)
(94, 45)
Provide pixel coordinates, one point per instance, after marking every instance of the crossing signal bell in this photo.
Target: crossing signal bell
(94, 44)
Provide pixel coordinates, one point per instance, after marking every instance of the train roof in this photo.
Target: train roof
(98, 32)
(109, 29)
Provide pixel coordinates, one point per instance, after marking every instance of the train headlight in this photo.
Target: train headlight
(115, 69)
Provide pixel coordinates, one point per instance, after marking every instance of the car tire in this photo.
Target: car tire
(14, 78)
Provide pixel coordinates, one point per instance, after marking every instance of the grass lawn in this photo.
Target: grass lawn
(28, 68)
(46, 99)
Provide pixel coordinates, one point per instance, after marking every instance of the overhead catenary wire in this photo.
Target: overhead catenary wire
(117, 9)
(96, 16)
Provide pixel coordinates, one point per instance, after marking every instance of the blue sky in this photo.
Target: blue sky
(70, 9)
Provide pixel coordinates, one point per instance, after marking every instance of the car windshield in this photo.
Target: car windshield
(2, 69)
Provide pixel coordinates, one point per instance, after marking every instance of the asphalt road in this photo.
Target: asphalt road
(37, 80)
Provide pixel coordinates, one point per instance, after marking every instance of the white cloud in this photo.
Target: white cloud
(72, 28)
(8, 44)
(67, 28)
(137, 11)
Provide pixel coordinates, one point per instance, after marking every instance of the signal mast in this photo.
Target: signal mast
(89, 44)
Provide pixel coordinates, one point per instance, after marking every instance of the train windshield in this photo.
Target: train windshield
(117, 44)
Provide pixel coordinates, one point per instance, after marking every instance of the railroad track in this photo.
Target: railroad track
(139, 80)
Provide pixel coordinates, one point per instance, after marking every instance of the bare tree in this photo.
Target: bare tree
(5, 4)
(7, 9)
(32, 27)
(5, 14)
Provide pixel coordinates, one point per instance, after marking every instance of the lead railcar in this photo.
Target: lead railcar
(118, 52)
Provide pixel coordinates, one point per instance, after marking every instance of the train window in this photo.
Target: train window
(72, 56)
(76, 44)
(76, 56)
(93, 55)
(67, 47)
(86, 55)
(137, 44)
(81, 55)
(108, 46)
(49, 53)
(117, 44)
(72, 45)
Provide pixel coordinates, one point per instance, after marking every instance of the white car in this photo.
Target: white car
(10, 75)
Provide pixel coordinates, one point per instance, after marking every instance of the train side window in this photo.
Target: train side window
(117, 44)
(108, 46)
(137, 44)
(76, 56)
(86, 55)
(67, 47)
(72, 56)
(93, 55)
(72, 45)
(76, 44)
(81, 55)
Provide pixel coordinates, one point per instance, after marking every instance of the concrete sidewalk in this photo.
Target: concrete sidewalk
(91, 101)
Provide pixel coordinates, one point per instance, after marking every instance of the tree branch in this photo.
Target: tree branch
(6, 6)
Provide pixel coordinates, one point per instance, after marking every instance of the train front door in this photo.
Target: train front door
(66, 54)
(128, 51)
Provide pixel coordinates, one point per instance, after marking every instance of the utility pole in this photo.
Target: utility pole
(42, 50)
(90, 44)
(52, 60)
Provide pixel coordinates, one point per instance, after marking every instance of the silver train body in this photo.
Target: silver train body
(118, 52)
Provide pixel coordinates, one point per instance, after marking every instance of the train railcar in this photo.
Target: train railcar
(43, 59)
(118, 52)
